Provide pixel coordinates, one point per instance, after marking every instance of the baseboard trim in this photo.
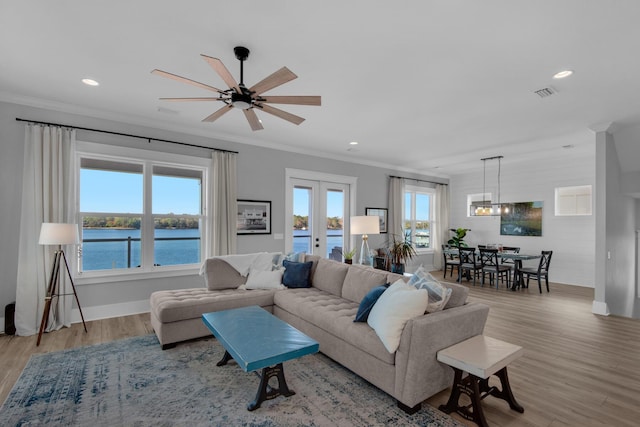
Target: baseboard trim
(600, 308)
(98, 312)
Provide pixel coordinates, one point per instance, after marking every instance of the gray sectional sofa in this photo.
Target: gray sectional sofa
(325, 311)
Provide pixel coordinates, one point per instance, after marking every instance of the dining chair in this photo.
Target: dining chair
(541, 271)
(511, 263)
(491, 266)
(468, 263)
(449, 261)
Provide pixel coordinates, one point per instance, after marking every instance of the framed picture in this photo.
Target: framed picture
(523, 219)
(254, 217)
(382, 214)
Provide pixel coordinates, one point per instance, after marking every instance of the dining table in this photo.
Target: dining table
(518, 277)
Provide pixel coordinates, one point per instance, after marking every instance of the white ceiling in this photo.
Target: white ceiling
(428, 86)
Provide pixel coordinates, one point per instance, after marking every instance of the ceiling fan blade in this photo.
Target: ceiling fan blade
(215, 116)
(222, 71)
(299, 100)
(191, 99)
(276, 79)
(185, 80)
(253, 119)
(282, 114)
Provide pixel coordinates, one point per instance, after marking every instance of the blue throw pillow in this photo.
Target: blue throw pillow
(296, 274)
(368, 302)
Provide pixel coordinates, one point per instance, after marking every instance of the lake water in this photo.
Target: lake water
(110, 255)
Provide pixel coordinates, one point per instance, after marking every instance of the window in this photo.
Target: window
(140, 213)
(573, 200)
(418, 215)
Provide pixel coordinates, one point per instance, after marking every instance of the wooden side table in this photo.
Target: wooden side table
(480, 357)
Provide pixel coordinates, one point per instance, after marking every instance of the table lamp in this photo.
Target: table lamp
(52, 233)
(364, 225)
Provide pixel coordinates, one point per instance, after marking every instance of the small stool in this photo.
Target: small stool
(481, 357)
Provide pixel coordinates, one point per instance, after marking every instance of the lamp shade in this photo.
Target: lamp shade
(54, 233)
(366, 224)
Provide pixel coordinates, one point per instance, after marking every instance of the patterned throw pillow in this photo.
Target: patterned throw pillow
(438, 294)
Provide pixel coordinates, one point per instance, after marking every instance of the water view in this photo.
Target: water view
(120, 252)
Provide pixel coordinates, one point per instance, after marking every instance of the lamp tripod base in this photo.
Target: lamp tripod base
(52, 292)
(365, 255)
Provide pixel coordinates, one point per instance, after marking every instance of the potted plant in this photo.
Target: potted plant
(458, 238)
(348, 255)
(401, 250)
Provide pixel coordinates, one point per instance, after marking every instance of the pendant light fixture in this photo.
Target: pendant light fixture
(487, 207)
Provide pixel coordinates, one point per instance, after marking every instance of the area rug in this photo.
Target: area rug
(132, 382)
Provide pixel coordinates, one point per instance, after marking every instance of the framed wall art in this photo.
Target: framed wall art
(254, 217)
(382, 214)
(523, 219)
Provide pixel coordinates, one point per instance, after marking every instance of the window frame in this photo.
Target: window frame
(431, 192)
(148, 159)
(574, 191)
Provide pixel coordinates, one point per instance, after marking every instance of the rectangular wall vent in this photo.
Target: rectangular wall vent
(543, 93)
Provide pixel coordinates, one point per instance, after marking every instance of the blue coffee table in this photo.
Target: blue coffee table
(256, 339)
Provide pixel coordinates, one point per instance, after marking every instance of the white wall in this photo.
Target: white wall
(571, 238)
(261, 176)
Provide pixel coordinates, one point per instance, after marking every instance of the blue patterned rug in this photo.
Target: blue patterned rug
(132, 382)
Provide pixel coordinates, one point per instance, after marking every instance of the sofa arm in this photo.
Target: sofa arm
(418, 373)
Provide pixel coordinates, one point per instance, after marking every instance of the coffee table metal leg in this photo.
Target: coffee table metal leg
(506, 393)
(266, 392)
(224, 359)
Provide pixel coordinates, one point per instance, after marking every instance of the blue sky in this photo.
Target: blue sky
(301, 202)
(120, 192)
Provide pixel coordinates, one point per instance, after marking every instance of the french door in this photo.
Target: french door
(318, 212)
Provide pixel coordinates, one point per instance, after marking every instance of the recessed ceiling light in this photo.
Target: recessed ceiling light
(90, 82)
(562, 74)
(353, 143)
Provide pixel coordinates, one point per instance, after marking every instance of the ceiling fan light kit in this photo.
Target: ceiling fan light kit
(243, 98)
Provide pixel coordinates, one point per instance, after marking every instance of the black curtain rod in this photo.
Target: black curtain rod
(419, 180)
(125, 134)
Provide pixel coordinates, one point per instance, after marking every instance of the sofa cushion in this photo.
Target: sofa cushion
(297, 274)
(329, 276)
(368, 302)
(395, 307)
(361, 279)
(458, 295)
(314, 259)
(218, 274)
(182, 304)
(259, 279)
(334, 315)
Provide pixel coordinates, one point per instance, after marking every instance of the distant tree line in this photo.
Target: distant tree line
(302, 223)
(128, 222)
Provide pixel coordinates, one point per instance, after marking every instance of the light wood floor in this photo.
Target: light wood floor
(579, 369)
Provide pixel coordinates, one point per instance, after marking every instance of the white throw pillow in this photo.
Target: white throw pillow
(260, 279)
(438, 294)
(393, 310)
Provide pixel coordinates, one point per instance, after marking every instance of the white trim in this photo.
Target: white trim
(600, 308)
(124, 275)
(98, 312)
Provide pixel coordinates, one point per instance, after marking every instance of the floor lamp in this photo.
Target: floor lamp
(367, 224)
(57, 234)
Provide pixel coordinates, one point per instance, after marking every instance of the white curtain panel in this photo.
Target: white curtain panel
(441, 229)
(48, 188)
(396, 202)
(224, 184)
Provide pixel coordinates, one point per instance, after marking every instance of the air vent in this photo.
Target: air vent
(543, 93)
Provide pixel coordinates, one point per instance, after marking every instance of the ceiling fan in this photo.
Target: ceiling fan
(246, 99)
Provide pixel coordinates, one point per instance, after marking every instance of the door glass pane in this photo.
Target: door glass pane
(302, 197)
(335, 224)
